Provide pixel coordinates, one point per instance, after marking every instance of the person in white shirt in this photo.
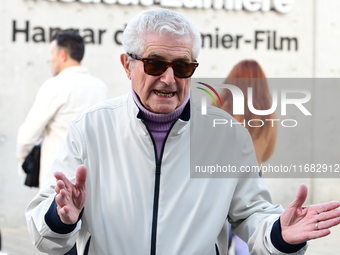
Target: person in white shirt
(72, 90)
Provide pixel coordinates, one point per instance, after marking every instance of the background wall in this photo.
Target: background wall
(24, 67)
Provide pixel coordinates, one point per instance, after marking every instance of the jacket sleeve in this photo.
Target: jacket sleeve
(43, 237)
(252, 215)
(44, 108)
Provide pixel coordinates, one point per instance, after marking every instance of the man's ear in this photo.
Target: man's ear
(63, 55)
(124, 59)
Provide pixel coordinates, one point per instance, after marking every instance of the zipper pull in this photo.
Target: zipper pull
(158, 169)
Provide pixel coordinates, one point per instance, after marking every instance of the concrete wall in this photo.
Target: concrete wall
(23, 68)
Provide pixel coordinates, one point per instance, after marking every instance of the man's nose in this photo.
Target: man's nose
(168, 77)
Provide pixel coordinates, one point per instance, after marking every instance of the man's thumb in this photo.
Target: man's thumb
(301, 196)
(81, 176)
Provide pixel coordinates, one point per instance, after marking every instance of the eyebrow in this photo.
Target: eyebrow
(160, 57)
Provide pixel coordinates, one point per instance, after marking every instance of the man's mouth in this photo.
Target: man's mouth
(164, 93)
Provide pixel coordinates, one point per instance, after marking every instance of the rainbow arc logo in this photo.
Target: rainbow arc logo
(209, 93)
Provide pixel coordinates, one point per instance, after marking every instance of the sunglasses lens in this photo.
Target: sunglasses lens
(154, 67)
(184, 70)
(157, 67)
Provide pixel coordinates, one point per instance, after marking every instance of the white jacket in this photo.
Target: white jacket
(136, 206)
(59, 99)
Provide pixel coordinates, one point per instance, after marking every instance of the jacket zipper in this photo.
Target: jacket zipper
(87, 246)
(155, 209)
(157, 187)
(217, 250)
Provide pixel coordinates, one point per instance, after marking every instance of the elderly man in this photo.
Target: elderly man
(123, 182)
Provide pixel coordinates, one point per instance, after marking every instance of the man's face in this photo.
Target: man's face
(163, 93)
(55, 58)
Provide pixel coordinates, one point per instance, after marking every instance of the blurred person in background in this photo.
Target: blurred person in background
(72, 90)
(249, 74)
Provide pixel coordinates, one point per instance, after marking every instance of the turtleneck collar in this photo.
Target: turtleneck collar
(157, 121)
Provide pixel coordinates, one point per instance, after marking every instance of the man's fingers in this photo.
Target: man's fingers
(328, 223)
(59, 186)
(300, 197)
(318, 234)
(62, 177)
(81, 177)
(64, 211)
(70, 197)
(60, 198)
(326, 207)
(328, 215)
(64, 214)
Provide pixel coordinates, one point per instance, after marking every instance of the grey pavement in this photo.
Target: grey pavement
(16, 241)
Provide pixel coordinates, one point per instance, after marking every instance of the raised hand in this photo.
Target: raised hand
(70, 197)
(300, 224)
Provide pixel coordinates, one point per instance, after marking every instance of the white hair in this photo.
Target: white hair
(162, 22)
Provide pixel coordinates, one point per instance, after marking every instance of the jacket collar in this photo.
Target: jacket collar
(134, 114)
(74, 69)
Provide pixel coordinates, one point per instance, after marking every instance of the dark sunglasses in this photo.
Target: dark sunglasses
(155, 67)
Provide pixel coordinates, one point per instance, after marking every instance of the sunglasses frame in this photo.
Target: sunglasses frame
(167, 64)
